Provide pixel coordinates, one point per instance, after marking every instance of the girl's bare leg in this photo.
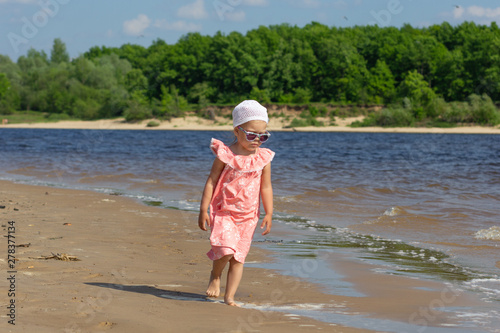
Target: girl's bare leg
(213, 289)
(233, 281)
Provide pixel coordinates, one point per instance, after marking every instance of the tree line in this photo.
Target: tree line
(438, 72)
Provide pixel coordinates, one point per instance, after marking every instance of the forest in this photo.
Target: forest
(441, 75)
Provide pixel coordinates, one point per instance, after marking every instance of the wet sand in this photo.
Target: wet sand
(224, 124)
(144, 269)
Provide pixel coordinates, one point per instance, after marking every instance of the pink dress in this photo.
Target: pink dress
(235, 205)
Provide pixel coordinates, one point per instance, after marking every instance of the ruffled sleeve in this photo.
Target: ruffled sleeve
(249, 163)
(222, 151)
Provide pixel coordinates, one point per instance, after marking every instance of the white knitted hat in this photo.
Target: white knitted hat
(249, 110)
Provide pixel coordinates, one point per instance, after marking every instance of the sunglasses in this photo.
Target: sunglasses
(251, 136)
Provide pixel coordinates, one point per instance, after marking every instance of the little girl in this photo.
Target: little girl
(240, 175)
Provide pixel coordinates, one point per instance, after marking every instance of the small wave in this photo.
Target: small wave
(386, 217)
(492, 233)
(489, 286)
(393, 211)
(289, 307)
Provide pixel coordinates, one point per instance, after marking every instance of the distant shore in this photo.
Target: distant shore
(224, 124)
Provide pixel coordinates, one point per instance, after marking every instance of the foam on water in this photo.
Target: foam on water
(393, 211)
(488, 320)
(492, 233)
(338, 313)
(487, 286)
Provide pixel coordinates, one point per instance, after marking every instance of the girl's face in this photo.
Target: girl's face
(255, 126)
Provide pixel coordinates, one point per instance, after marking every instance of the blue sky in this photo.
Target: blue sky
(82, 24)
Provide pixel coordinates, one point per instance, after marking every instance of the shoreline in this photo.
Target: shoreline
(192, 123)
(144, 268)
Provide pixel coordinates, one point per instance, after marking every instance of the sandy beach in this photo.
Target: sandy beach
(144, 269)
(223, 124)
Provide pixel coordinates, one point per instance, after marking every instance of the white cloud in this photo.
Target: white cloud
(177, 26)
(236, 16)
(484, 12)
(195, 10)
(477, 12)
(260, 3)
(136, 27)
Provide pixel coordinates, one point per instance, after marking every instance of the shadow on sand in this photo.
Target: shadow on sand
(150, 290)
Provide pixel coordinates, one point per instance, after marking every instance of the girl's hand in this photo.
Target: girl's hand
(203, 221)
(267, 223)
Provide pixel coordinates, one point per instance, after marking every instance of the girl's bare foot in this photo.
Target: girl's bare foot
(213, 286)
(231, 302)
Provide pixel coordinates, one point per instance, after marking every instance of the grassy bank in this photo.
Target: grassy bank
(477, 110)
(29, 117)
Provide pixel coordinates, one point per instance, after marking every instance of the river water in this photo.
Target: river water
(424, 205)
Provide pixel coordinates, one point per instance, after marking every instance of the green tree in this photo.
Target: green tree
(342, 73)
(232, 71)
(83, 70)
(172, 104)
(33, 67)
(483, 110)
(417, 91)
(4, 85)
(201, 93)
(134, 54)
(136, 111)
(381, 83)
(157, 69)
(261, 95)
(135, 80)
(7, 96)
(59, 53)
(191, 55)
(450, 78)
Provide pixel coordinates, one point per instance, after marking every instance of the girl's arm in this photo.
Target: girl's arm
(266, 192)
(213, 178)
